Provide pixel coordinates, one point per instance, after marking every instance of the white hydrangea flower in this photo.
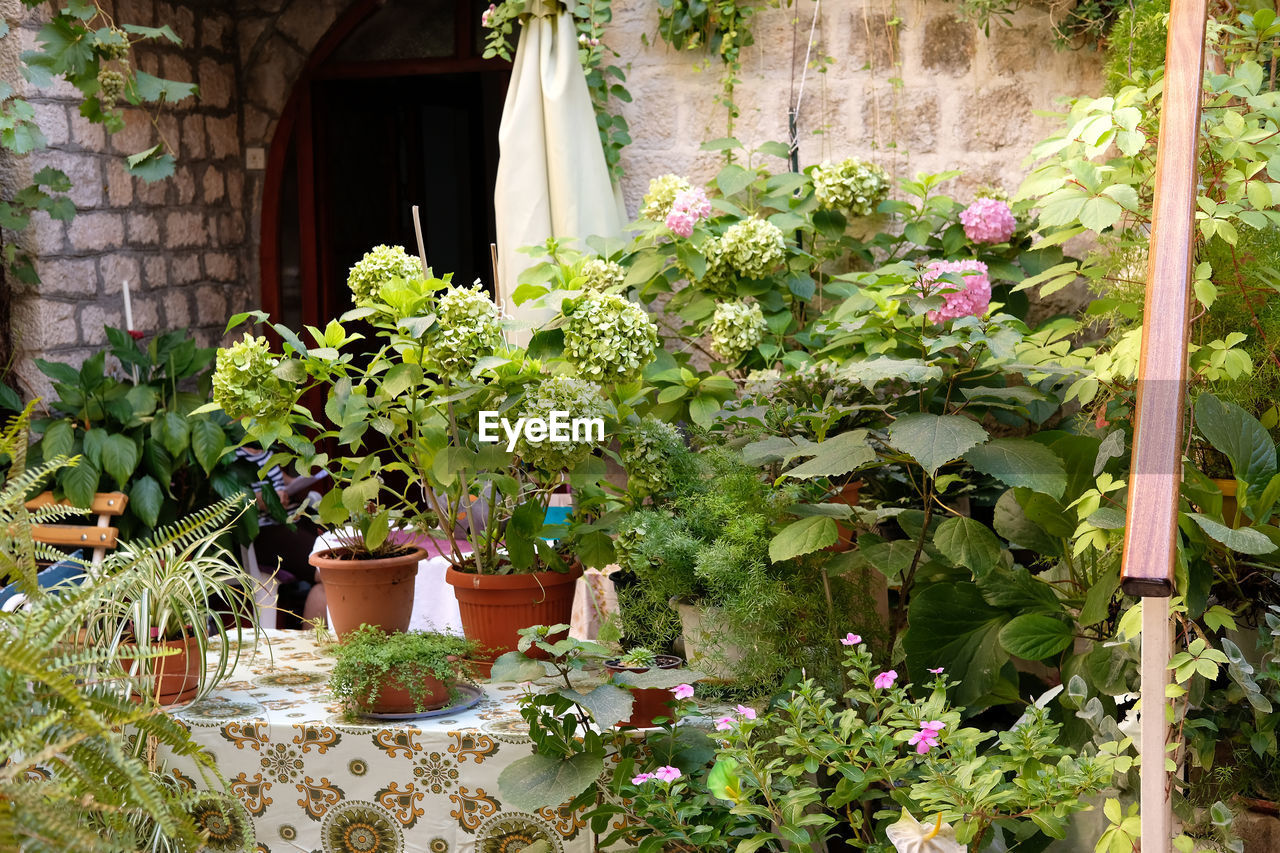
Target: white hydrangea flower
(579, 399)
(469, 328)
(736, 329)
(646, 450)
(608, 338)
(378, 266)
(600, 274)
(749, 249)
(853, 186)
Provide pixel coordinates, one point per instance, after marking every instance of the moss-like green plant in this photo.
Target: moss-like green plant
(1136, 43)
(369, 658)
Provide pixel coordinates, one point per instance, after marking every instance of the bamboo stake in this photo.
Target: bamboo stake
(422, 246)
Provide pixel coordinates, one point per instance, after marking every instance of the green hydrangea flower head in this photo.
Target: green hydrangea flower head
(571, 398)
(379, 265)
(852, 186)
(607, 337)
(245, 384)
(647, 450)
(736, 329)
(749, 249)
(600, 274)
(661, 195)
(469, 328)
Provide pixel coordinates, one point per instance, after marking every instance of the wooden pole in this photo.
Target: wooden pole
(1150, 545)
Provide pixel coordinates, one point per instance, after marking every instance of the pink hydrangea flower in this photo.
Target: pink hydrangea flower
(937, 671)
(667, 774)
(682, 691)
(688, 207)
(885, 679)
(723, 724)
(974, 297)
(486, 14)
(680, 223)
(988, 220)
(851, 639)
(641, 779)
(747, 713)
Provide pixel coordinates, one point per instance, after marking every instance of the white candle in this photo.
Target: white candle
(128, 308)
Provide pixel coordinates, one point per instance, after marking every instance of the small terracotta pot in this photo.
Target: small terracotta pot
(394, 698)
(495, 607)
(649, 702)
(368, 592)
(177, 677)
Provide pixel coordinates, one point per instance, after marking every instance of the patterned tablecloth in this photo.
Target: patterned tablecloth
(310, 780)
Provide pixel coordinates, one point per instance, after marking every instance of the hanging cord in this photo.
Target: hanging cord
(793, 116)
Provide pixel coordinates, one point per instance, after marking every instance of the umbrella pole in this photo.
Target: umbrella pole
(1157, 818)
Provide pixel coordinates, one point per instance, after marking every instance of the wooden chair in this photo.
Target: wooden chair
(101, 537)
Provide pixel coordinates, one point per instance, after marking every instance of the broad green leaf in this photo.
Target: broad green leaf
(80, 482)
(1239, 436)
(934, 440)
(803, 537)
(1034, 636)
(58, 440)
(1097, 601)
(952, 626)
(723, 782)
(171, 430)
(515, 667)
(145, 499)
(968, 543)
(1244, 540)
(120, 458)
(1020, 462)
(835, 456)
(608, 703)
(733, 179)
(207, 442)
(543, 781)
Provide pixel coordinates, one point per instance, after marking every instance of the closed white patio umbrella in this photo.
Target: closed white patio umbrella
(552, 177)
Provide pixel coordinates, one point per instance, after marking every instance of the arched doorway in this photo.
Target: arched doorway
(395, 107)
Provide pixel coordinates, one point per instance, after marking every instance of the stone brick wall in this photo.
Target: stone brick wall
(180, 243)
(910, 87)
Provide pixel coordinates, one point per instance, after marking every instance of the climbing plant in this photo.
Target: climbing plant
(82, 44)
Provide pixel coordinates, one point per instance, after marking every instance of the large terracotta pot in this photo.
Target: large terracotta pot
(648, 702)
(368, 592)
(495, 607)
(393, 698)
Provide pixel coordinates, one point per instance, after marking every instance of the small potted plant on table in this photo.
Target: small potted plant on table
(649, 703)
(411, 672)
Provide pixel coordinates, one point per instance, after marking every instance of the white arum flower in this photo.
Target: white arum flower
(910, 836)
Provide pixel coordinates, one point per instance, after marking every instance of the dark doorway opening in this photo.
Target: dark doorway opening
(382, 146)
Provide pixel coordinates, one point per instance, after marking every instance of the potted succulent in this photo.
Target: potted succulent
(398, 673)
(649, 703)
(168, 617)
(434, 424)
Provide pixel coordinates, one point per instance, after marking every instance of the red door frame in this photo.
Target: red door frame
(296, 119)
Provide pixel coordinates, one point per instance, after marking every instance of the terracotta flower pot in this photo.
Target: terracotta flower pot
(177, 676)
(848, 495)
(395, 698)
(649, 702)
(495, 607)
(368, 592)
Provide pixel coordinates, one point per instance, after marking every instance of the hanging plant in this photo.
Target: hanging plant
(605, 80)
(723, 27)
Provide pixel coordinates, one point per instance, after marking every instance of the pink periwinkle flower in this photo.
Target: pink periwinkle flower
(688, 207)
(667, 774)
(974, 297)
(924, 740)
(747, 713)
(933, 725)
(851, 639)
(885, 680)
(487, 14)
(937, 671)
(682, 691)
(988, 220)
(641, 779)
(723, 724)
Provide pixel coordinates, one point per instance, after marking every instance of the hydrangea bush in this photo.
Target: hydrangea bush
(468, 328)
(607, 337)
(736, 328)
(245, 384)
(572, 398)
(854, 187)
(380, 264)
